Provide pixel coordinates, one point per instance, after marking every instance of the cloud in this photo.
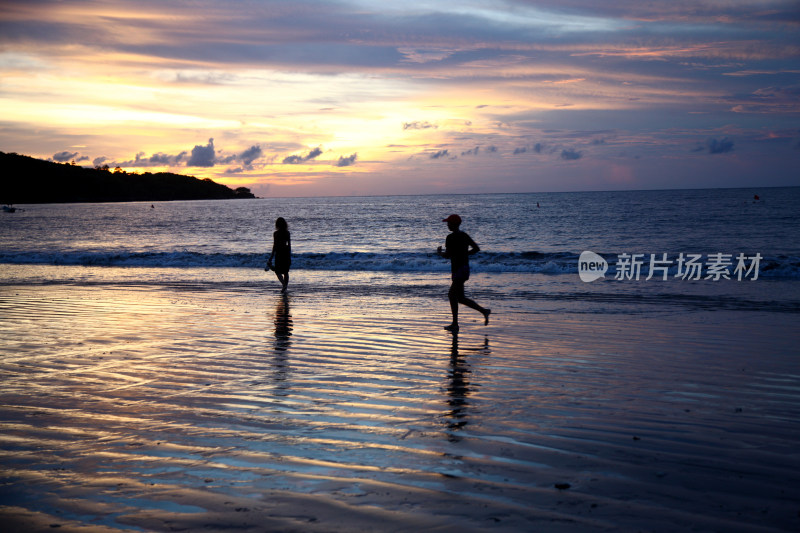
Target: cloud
(166, 159)
(297, 159)
(293, 160)
(418, 125)
(561, 82)
(413, 55)
(478, 150)
(719, 146)
(347, 161)
(158, 159)
(537, 148)
(316, 152)
(777, 100)
(64, 156)
(251, 154)
(246, 158)
(666, 74)
(203, 156)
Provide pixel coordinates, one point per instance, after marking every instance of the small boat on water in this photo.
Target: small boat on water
(9, 209)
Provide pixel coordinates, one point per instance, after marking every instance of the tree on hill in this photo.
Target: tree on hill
(243, 192)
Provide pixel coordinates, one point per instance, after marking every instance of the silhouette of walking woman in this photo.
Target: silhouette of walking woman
(281, 252)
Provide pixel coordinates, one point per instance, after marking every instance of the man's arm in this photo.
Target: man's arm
(444, 252)
(472, 247)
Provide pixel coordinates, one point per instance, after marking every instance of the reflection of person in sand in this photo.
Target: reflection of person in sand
(458, 247)
(283, 333)
(459, 388)
(281, 252)
(283, 325)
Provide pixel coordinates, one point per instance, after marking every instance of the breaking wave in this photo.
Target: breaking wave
(525, 262)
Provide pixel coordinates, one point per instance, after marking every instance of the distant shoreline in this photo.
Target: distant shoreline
(502, 193)
(27, 180)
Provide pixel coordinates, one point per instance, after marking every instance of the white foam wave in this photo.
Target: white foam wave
(530, 262)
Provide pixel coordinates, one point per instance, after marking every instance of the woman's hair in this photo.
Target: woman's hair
(280, 223)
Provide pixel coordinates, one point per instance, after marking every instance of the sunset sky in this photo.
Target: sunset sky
(357, 97)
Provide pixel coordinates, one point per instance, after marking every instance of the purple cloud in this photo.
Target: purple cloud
(61, 157)
(347, 161)
(719, 146)
(417, 125)
(203, 156)
(297, 159)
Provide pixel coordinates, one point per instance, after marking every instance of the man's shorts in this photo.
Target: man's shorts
(462, 274)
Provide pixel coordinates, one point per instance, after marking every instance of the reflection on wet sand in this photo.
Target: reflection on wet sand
(210, 410)
(459, 387)
(283, 333)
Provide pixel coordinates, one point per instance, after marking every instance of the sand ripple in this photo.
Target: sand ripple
(178, 409)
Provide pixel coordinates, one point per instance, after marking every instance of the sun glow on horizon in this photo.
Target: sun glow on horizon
(299, 98)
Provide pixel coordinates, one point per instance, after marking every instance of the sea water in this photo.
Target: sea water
(530, 245)
(146, 351)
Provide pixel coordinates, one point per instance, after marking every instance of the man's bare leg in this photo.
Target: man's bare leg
(454, 298)
(482, 310)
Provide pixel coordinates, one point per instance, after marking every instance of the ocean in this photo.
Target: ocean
(530, 245)
(153, 377)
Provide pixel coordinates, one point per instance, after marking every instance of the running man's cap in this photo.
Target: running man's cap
(453, 218)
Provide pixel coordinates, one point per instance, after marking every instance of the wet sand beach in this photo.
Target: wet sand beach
(190, 406)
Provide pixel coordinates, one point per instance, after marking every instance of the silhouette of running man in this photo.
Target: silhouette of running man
(458, 247)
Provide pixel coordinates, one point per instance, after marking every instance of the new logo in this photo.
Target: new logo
(591, 266)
